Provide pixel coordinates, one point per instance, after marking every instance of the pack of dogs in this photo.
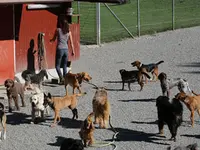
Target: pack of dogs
(169, 111)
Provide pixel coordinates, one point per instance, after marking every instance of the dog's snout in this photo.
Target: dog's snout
(33, 104)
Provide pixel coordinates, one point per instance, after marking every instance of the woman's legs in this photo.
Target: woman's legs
(59, 55)
(65, 59)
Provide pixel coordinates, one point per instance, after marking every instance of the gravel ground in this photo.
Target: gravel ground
(133, 113)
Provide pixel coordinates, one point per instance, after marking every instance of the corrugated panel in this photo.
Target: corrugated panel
(75, 29)
(6, 44)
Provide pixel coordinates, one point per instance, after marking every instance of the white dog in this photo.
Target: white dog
(37, 102)
(168, 84)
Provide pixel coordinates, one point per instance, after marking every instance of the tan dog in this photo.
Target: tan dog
(192, 103)
(59, 103)
(75, 80)
(101, 108)
(152, 68)
(87, 131)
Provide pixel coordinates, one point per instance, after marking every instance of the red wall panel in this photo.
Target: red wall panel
(6, 43)
(31, 23)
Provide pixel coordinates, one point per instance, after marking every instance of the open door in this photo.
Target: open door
(6, 43)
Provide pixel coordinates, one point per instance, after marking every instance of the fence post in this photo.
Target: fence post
(78, 7)
(138, 17)
(173, 14)
(98, 24)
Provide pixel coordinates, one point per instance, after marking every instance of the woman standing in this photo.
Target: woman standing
(62, 34)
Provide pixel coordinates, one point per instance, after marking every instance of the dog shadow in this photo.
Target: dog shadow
(17, 118)
(193, 136)
(133, 135)
(70, 123)
(139, 100)
(141, 122)
(59, 140)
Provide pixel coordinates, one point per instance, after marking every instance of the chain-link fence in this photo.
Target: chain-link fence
(139, 17)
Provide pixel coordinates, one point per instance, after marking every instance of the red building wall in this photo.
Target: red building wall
(28, 25)
(31, 23)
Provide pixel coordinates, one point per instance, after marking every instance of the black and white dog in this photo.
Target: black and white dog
(168, 84)
(31, 77)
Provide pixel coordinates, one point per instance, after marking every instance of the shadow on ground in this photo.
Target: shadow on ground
(190, 65)
(59, 140)
(139, 122)
(139, 100)
(133, 135)
(17, 118)
(70, 123)
(193, 136)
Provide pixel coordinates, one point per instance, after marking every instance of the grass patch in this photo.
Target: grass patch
(155, 16)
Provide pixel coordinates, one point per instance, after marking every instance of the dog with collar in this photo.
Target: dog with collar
(168, 84)
(75, 80)
(59, 103)
(148, 68)
(3, 119)
(132, 76)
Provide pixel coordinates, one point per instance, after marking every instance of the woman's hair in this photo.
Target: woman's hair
(64, 26)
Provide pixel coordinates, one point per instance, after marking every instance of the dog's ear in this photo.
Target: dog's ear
(49, 95)
(5, 82)
(13, 83)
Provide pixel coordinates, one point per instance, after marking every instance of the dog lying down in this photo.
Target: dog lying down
(168, 84)
(170, 113)
(71, 144)
(189, 147)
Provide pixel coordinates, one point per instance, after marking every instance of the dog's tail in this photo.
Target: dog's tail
(147, 75)
(80, 94)
(160, 62)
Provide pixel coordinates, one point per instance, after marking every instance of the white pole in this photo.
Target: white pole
(98, 23)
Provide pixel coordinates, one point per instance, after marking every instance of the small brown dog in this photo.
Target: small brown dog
(153, 68)
(13, 89)
(192, 103)
(87, 131)
(75, 80)
(59, 103)
(101, 107)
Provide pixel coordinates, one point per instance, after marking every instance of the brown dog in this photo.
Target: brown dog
(192, 103)
(75, 80)
(13, 89)
(153, 68)
(87, 131)
(101, 108)
(59, 103)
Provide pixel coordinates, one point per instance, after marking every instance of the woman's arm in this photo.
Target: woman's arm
(71, 41)
(54, 36)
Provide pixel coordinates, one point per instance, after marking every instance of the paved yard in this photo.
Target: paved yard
(133, 113)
